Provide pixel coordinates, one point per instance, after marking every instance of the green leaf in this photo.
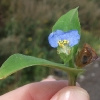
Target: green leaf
(69, 21)
(18, 61)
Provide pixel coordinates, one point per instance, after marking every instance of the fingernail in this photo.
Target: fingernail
(71, 93)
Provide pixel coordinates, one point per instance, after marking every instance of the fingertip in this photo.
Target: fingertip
(71, 93)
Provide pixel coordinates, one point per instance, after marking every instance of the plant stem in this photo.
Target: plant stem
(72, 79)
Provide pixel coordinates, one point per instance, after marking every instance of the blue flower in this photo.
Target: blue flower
(60, 38)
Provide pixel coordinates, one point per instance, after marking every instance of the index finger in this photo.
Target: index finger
(36, 91)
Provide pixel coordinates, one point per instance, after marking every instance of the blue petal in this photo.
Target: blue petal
(54, 37)
(72, 36)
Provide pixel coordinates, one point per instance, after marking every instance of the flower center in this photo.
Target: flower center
(62, 43)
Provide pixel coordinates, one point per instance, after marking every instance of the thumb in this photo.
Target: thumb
(71, 93)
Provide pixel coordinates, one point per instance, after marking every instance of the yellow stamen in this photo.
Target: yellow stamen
(61, 43)
(65, 41)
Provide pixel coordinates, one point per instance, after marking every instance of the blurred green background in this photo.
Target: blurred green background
(25, 26)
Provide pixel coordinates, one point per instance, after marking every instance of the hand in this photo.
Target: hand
(48, 89)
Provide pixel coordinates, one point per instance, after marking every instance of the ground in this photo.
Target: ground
(90, 80)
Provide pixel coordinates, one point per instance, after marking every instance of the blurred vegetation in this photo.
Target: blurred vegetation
(25, 26)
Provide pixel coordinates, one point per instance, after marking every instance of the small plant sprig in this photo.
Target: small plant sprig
(65, 37)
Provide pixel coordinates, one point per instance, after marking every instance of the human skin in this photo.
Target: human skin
(48, 89)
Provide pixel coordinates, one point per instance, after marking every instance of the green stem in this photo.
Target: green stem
(71, 64)
(72, 74)
(72, 79)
